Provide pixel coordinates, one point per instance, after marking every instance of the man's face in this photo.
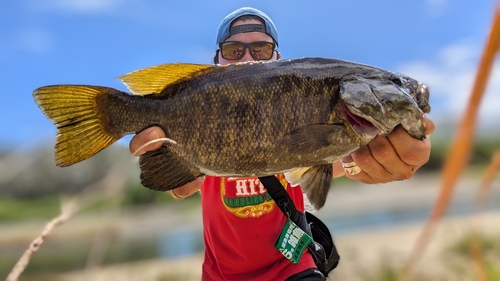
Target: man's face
(247, 37)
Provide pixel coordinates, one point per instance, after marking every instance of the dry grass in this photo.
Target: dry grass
(108, 187)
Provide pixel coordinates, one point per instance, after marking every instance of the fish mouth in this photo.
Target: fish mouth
(422, 98)
(367, 129)
(423, 90)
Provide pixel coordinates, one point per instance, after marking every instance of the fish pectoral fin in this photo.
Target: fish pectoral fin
(153, 80)
(315, 182)
(313, 137)
(162, 170)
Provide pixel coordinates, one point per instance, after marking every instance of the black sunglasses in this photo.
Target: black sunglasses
(235, 50)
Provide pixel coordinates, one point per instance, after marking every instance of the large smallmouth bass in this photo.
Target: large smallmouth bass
(245, 119)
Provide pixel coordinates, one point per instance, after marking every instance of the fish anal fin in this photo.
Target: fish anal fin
(315, 182)
(294, 176)
(154, 79)
(162, 170)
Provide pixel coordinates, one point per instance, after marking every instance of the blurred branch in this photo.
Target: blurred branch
(112, 184)
(11, 164)
(484, 188)
(460, 150)
(67, 211)
(480, 204)
(100, 244)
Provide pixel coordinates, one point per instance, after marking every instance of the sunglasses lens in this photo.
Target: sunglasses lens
(261, 50)
(233, 50)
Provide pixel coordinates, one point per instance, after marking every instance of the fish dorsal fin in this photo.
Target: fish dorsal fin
(154, 79)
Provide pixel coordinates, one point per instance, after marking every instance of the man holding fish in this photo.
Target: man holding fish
(221, 127)
(241, 223)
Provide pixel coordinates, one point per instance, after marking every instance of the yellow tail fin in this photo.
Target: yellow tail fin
(78, 115)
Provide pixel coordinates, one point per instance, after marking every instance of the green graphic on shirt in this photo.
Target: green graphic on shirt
(247, 197)
(245, 201)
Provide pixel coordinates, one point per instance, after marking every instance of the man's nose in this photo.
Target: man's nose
(246, 56)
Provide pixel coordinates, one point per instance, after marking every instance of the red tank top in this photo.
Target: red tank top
(241, 225)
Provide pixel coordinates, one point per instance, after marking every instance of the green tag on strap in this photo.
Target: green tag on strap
(292, 242)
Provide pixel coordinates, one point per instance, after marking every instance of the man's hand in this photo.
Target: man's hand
(394, 157)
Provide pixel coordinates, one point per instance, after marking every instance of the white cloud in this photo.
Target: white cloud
(76, 6)
(450, 75)
(152, 13)
(143, 12)
(437, 8)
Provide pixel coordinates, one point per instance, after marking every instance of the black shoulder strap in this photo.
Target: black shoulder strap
(281, 197)
(325, 259)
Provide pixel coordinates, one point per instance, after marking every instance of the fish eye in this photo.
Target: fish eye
(397, 81)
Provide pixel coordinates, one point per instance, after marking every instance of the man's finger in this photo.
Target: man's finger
(145, 136)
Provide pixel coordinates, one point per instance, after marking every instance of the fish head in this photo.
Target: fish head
(377, 103)
(418, 91)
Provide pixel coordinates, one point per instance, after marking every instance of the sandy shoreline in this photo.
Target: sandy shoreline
(362, 251)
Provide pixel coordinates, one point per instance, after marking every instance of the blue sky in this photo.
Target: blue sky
(45, 42)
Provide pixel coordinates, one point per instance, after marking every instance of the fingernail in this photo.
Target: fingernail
(347, 159)
(153, 135)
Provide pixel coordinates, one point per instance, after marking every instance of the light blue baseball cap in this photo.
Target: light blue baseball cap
(225, 29)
